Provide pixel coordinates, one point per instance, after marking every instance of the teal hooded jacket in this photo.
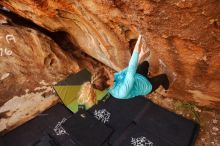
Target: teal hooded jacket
(128, 83)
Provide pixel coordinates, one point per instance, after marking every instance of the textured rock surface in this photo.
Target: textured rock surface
(30, 63)
(32, 57)
(182, 36)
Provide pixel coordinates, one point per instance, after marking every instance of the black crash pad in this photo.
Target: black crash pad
(163, 125)
(121, 113)
(45, 140)
(155, 125)
(121, 110)
(29, 133)
(2, 143)
(172, 127)
(52, 139)
(86, 130)
(135, 136)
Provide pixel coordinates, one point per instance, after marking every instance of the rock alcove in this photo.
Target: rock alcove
(183, 38)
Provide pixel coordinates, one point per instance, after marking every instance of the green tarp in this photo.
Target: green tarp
(68, 89)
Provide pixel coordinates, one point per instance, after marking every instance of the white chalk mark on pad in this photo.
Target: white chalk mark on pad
(103, 115)
(141, 141)
(58, 129)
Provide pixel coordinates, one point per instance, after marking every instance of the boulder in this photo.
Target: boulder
(182, 37)
(30, 63)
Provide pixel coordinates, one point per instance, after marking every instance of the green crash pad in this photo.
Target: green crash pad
(68, 89)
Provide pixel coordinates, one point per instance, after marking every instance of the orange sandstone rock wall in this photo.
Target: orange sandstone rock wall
(27, 58)
(183, 37)
(30, 63)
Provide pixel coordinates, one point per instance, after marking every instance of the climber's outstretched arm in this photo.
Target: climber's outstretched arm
(131, 70)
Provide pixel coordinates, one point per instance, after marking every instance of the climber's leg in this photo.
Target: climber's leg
(143, 68)
(159, 80)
